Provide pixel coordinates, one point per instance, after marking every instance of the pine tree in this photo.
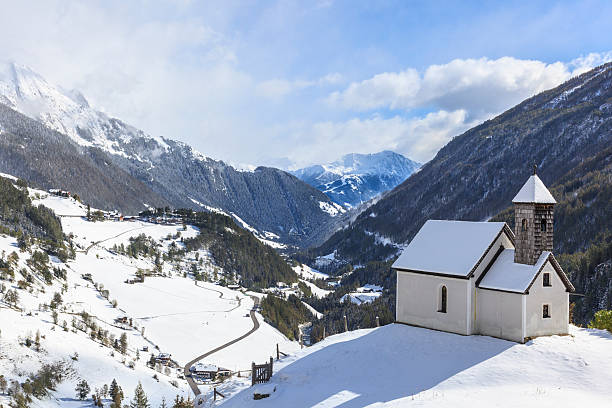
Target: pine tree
(140, 399)
(123, 344)
(114, 389)
(82, 389)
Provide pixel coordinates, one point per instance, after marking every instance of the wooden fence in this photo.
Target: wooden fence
(261, 373)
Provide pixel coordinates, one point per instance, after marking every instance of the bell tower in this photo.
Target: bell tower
(533, 220)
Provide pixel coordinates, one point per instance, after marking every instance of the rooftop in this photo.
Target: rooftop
(448, 247)
(507, 275)
(534, 191)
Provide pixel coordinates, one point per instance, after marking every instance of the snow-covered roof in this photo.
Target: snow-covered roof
(204, 367)
(505, 274)
(509, 276)
(534, 191)
(448, 247)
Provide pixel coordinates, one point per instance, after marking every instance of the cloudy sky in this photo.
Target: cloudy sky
(291, 83)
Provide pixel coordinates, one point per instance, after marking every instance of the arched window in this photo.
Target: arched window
(543, 225)
(443, 300)
(524, 224)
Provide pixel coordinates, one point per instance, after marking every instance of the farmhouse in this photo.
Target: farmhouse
(482, 278)
(204, 372)
(163, 358)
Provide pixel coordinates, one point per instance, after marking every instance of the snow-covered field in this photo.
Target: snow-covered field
(403, 366)
(180, 317)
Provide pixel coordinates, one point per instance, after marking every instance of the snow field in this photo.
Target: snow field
(403, 366)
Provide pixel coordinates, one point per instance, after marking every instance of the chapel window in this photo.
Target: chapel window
(546, 279)
(545, 311)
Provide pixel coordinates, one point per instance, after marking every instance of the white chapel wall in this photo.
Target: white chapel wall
(499, 314)
(417, 302)
(555, 296)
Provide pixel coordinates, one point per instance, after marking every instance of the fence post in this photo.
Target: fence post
(377, 322)
(277, 352)
(345, 324)
(271, 365)
(215, 394)
(323, 332)
(252, 373)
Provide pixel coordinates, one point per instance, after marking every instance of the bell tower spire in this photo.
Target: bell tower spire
(533, 220)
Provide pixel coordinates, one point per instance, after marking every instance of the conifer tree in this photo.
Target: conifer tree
(140, 399)
(82, 389)
(123, 344)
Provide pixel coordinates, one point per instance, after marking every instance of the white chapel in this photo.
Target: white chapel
(481, 278)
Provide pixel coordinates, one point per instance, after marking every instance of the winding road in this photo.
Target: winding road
(190, 381)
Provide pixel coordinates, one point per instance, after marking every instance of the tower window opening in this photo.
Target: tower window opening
(443, 300)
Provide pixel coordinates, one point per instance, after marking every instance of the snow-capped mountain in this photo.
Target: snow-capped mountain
(357, 178)
(269, 200)
(67, 112)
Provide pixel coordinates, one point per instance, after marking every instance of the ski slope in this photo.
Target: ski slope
(403, 366)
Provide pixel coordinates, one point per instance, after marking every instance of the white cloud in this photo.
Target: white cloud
(418, 138)
(480, 86)
(276, 89)
(460, 94)
(477, 85)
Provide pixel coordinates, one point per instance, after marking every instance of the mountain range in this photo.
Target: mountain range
(357, 178)
(53, 138)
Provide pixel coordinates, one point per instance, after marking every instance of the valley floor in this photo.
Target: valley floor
(403, 366)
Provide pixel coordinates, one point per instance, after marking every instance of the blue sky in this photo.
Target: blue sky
(293, 83)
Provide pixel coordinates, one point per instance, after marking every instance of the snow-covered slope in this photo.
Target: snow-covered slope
(357, 178)
(403, 366)
(176, 315)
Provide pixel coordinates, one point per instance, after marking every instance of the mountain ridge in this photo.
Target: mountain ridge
(357, 178)
(168, 172)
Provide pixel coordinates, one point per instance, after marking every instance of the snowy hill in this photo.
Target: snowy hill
(403, 366)
(153, 171)
(168, 312)
(357, 178)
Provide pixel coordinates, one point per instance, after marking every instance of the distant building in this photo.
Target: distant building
(163, 358)
(481, 278)
(208, 372)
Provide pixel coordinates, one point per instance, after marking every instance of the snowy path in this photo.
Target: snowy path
(115, 236)
(190, 381)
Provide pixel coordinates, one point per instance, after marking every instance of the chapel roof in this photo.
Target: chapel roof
(451, 248)
(509, 276)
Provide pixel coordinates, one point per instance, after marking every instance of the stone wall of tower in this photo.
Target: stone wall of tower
(532, 241)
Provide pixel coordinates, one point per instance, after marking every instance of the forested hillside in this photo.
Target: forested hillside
(21, 219)
(49, 159)
(238, 251)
